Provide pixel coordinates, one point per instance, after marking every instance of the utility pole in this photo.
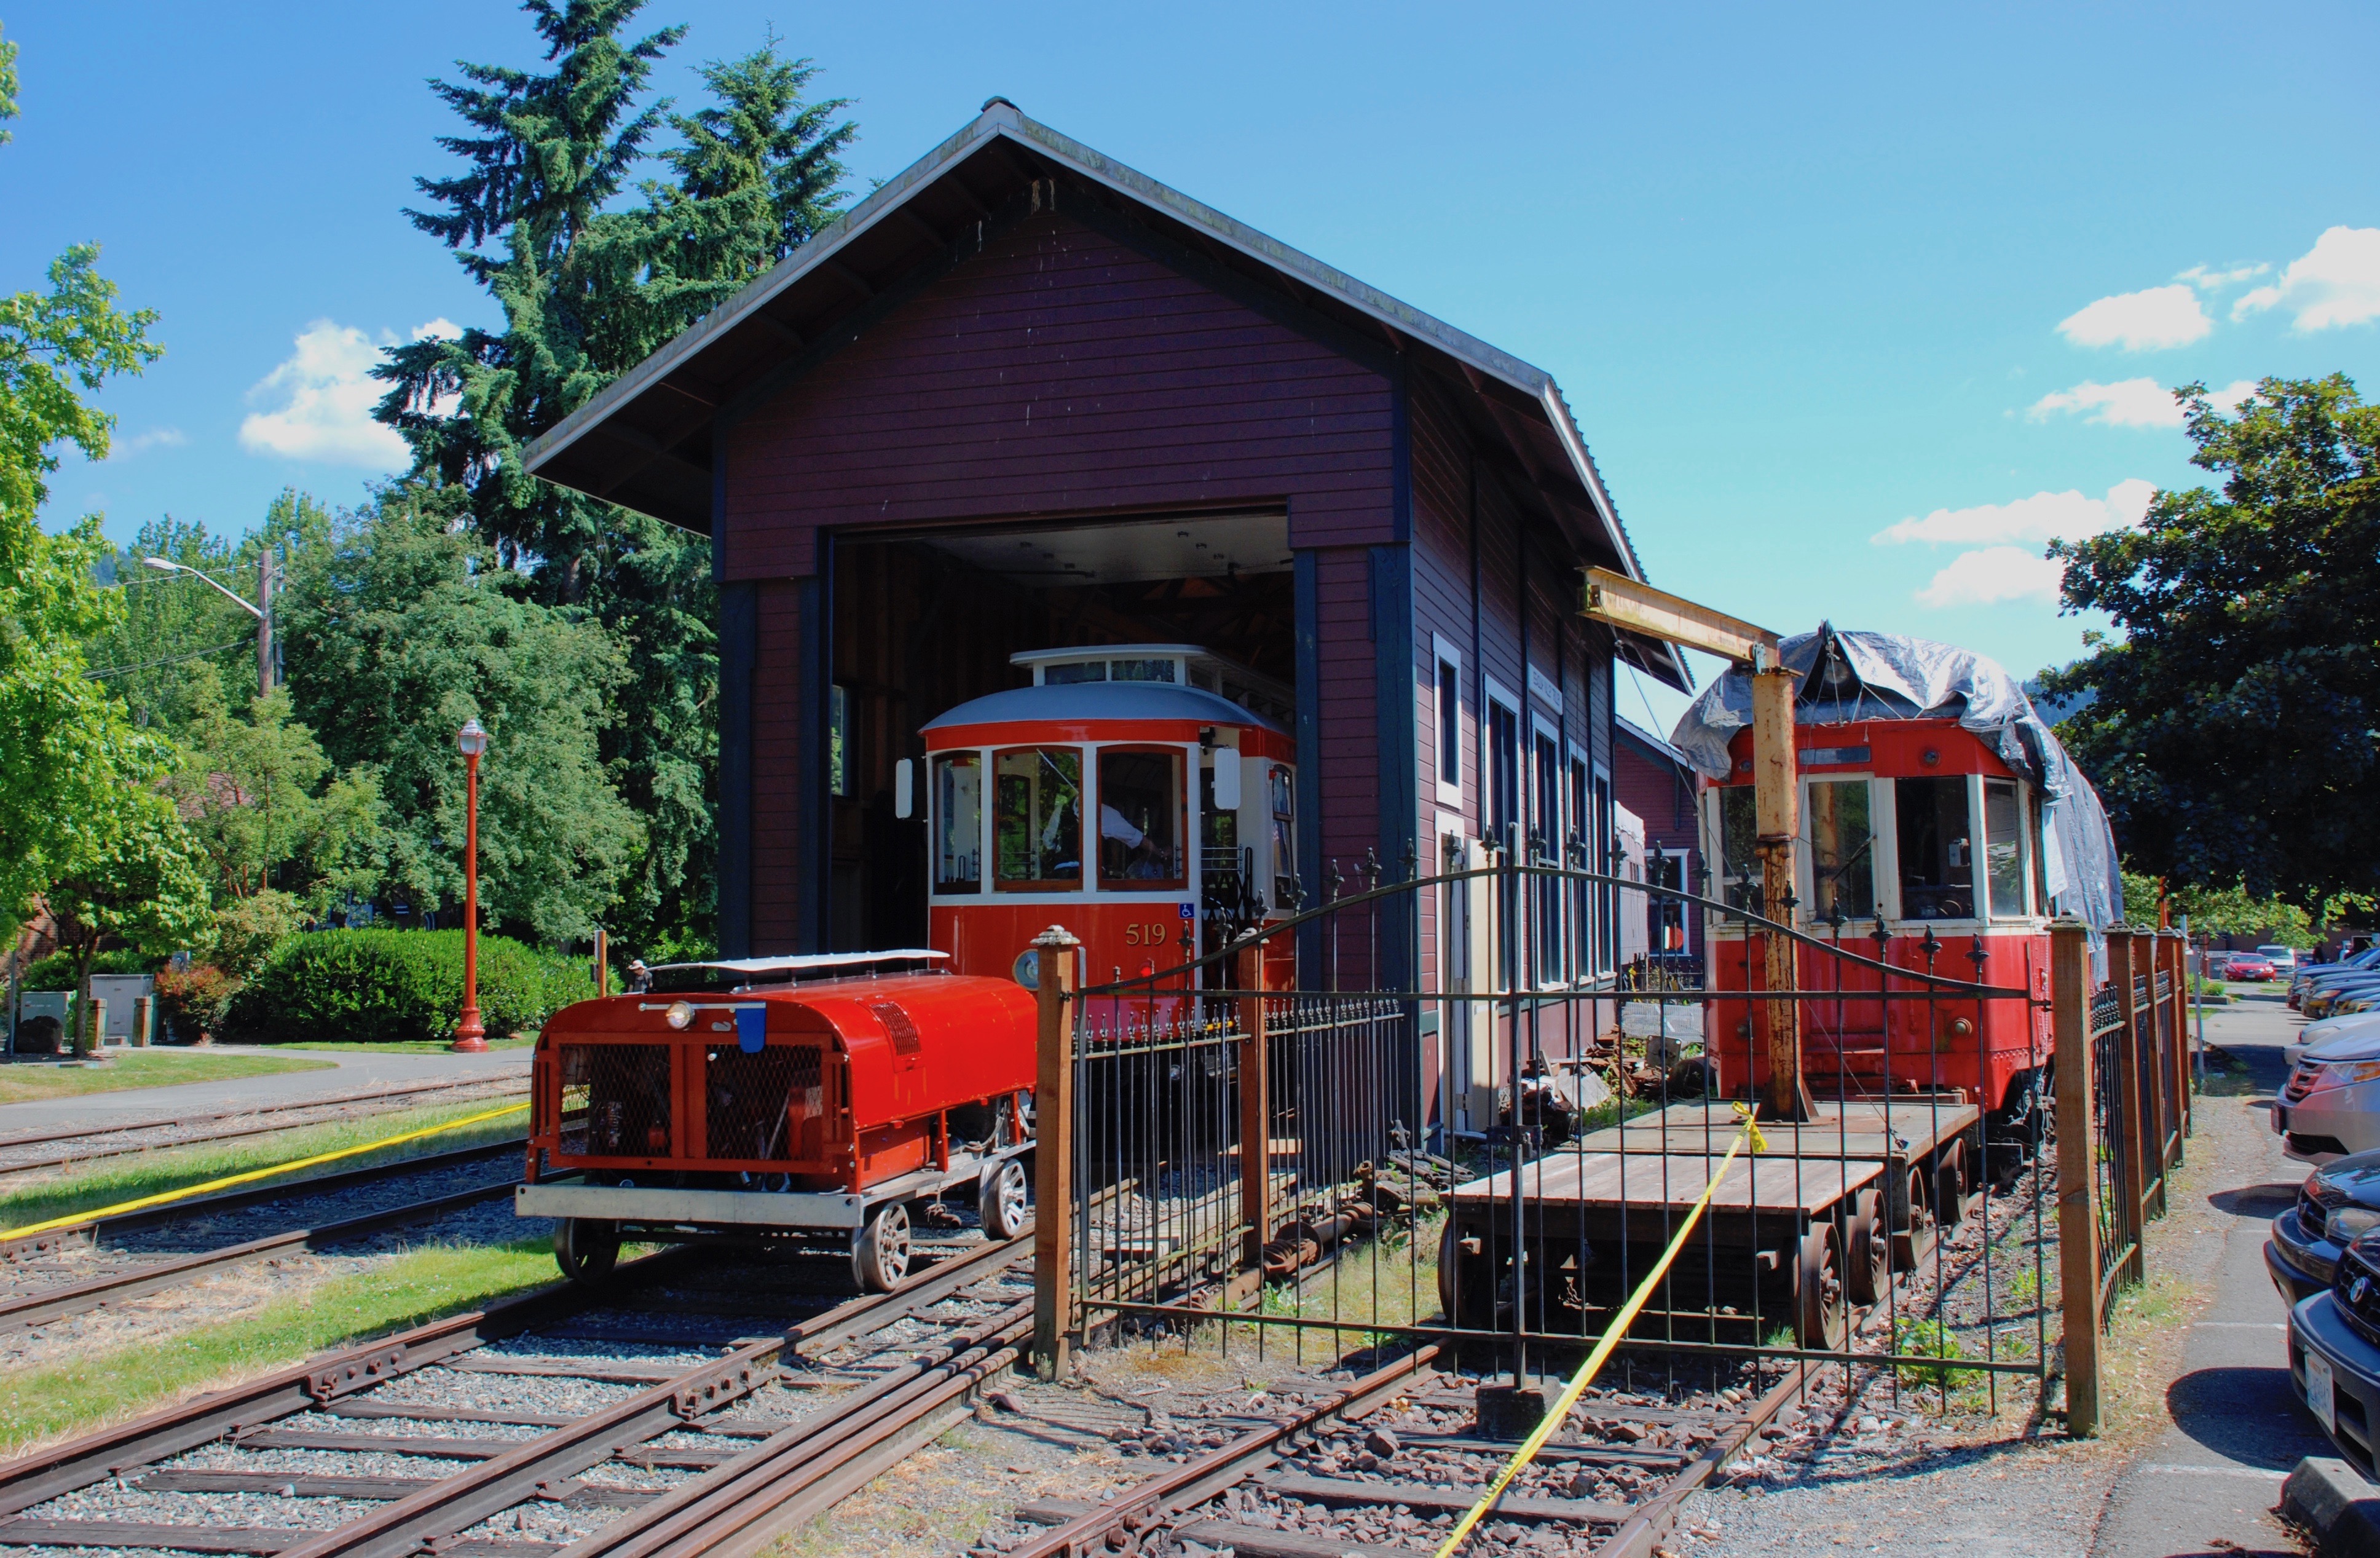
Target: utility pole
(264, 622)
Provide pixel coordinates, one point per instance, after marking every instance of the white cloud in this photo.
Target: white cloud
(2126, 403)
(2162, 316)
(2336, 283)
(2210, 278)
(2132, 402)
(2065, 516)
(326, 395)
(141, 443)
(1991, 574)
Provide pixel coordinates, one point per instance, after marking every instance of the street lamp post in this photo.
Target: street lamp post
(470, 1037)
(261, 608)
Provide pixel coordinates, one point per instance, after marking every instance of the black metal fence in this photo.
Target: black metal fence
(1473, 1119)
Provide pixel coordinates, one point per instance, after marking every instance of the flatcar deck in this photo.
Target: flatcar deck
(1613, 1181)
(1897, 1131)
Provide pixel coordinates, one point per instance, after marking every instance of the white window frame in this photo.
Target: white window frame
(1555, 964)
(1805, 853)
(1579, 905)
(2026, 850)
(1443, 655)
(1498, 696)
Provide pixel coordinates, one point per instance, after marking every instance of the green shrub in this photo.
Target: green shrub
(385, 986)
(247, 932)
(194, 999)
(57, 972)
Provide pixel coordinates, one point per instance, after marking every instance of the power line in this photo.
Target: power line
(169, 660)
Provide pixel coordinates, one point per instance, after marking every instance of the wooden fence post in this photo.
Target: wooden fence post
(2132, 1219)
(1055, 1324)
(1255, 1108)
(2078, 1221)
(144, 1021)
(2185, 1104)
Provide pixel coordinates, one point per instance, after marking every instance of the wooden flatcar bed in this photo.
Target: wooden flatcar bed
(1806, 1227)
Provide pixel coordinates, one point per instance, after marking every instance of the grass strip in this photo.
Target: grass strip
(29, 1082)
(403, 1046)
(406, 1290)
(171, 1168)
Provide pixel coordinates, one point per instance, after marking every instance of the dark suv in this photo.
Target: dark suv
(2338, 1202)
(2335, 1354)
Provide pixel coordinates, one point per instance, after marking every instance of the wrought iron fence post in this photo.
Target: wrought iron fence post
(1255, 1108)
(2077, 1223)
(1055, 1322)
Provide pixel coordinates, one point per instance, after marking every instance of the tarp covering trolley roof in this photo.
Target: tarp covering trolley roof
(1851, 675)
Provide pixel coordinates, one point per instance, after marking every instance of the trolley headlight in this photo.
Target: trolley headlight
(2348, 1223)
(680, 1012)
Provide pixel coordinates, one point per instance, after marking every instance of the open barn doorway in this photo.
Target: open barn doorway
(928, 619)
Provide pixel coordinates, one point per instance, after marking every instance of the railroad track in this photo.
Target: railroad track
(1384, 1466)
(672, 1405)
(27, 1153)
(51, 1276)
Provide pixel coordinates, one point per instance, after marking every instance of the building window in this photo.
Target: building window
(958, 823)
(1579, 856)
(838, 740)
(1140, 820)
(1503, 774)
(1038, 819)
(1449, 700)
(1843, 850)
(1546, 844)
(1739, 861)
(1935, 836)
(1606, 919)
(1666, 917)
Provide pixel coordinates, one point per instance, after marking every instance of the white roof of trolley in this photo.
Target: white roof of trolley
(1075, 703)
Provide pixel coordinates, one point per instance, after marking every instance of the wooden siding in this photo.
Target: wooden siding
(777, 773)
(1061, 371)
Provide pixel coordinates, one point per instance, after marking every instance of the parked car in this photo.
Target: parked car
(2314, 1033)
(2281, 958)
(2330, 1107)
(2310, 976)
(2338, 1203)
(2328, 994)
(2251, 967)
(2335, 1353)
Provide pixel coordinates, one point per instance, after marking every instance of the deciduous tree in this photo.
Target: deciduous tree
(2235, 727)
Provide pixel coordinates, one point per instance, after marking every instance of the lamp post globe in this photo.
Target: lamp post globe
(470, 1037)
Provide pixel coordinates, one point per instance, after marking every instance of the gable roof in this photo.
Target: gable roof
(1655, 748)
(644, 442)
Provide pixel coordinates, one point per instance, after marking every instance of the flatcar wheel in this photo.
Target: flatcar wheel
(1003, 1209)
(1821, 1318)
(879, 1251)
(585, 1247)
(1467, 1291)
(1912, 1243)
(1867, 1263)
(1950, 1185)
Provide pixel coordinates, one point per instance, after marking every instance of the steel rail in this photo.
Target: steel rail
(80, 1159)
(232, 1200)
(51, 1470)
(39, 1138)
(74, 1298)
(1196, 1481)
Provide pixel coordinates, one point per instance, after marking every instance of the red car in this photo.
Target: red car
(2251, 966)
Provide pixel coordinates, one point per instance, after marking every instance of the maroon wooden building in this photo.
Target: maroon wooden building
(1654, 781)
(1022, 396)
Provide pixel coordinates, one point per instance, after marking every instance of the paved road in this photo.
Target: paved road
(356, 1073)
(2207, 1482)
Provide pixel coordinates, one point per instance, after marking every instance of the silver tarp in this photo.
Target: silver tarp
(1846, 676)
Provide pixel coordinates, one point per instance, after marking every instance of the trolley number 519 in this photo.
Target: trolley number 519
(1147, 935)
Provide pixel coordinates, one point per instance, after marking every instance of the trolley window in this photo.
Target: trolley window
(1738, 828)
(1285, 838)
(1843, 849)
(1038, 820)
(958, 823)
(1140, 820)
(2004, 847)
(1937, 861)
(1142, 670)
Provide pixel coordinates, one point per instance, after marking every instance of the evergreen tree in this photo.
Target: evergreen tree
(588, 289)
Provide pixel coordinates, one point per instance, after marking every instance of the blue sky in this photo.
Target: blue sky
(1855, 306)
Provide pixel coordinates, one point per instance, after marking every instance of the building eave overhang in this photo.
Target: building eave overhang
(644, 441)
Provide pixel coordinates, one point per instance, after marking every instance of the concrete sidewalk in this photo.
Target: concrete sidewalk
(357, 1072)
(2207, 1481)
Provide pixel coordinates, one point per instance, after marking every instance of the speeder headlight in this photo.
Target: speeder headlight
(679, 1015)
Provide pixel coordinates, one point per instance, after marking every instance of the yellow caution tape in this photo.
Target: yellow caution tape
(1604, 1348)
(77, 1219)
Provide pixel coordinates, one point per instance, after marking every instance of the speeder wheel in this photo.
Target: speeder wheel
(1913, 1243)
(879, 1251)
(585, 1247)
(1003, 1209)
(1950, 1185)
